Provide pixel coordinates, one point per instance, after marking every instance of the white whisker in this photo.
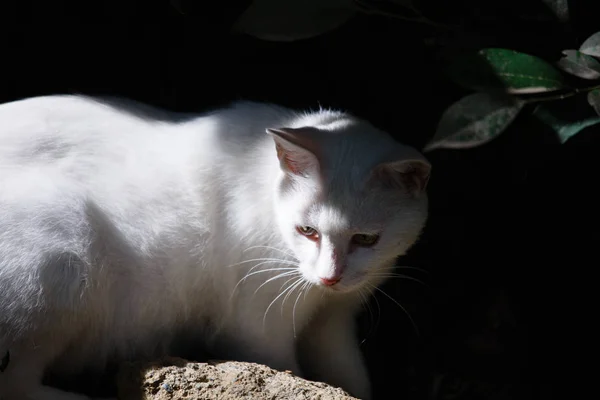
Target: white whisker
(399, 305)
(286, 282)
(302, 288)
(310, 285)
(262, 259)
(249, 274)
(277, 277)
(287, 253)
(278, 296)
(290, 292)
(378, 319)
(266, 262)
(398, 276)
(365, 303)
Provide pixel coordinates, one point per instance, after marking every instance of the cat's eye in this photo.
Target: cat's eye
(308, 231)
(365, 239)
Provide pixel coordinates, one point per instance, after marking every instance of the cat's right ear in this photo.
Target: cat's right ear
(296, 150)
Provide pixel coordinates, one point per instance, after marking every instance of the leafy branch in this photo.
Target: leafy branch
(368, 7)
(505, 81)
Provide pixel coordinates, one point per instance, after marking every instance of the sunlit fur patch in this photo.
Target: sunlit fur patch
(328, 219)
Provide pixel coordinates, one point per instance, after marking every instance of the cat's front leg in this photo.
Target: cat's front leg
(328, 351)
(274, 350)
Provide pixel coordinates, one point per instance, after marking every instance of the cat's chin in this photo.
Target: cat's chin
(344, 287)
(339, 289)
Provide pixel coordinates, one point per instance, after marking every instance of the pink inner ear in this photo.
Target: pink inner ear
(288, 160)
(294, 149)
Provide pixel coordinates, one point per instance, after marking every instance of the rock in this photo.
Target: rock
(175, 378)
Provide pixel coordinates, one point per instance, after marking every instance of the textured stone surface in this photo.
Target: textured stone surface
(175, 378)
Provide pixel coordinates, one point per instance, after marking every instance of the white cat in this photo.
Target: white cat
(123, 226)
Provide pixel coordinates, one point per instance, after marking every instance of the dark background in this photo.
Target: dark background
(514, 224)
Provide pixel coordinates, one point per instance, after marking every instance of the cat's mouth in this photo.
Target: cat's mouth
(345, 284)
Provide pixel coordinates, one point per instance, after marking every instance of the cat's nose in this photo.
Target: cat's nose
(330, 282)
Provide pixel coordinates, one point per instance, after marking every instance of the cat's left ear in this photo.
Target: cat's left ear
(296, 149)
(410, 174)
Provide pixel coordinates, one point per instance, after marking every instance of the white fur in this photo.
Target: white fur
(122, 226)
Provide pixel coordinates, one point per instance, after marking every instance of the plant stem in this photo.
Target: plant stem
(366, 8)
(552, 97)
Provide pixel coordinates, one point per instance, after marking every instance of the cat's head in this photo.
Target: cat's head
(349, 199)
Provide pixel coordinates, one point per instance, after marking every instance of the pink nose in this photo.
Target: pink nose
(330, 282)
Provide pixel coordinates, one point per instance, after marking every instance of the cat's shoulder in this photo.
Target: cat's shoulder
(315, 116)
(253, 106)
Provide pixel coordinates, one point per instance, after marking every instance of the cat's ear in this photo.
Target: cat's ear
(296, 149)
(411, 175)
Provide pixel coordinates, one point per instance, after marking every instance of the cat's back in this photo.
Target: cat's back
(68, 120)
(31, 116)
(86, 139)
(61, 155)
(51, 128)
(43, 131)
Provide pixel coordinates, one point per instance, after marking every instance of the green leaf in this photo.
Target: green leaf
(591, 46)
(564, 129)
(593, 98)
(474, 120)
(579, 64)
(508, 70)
